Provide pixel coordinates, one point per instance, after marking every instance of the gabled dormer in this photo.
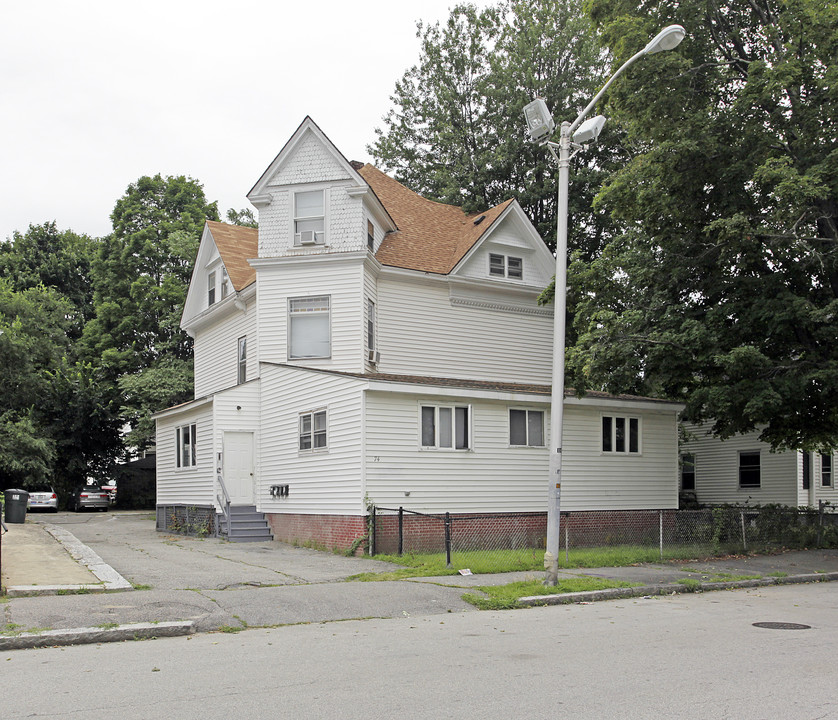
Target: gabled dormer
(222, 274)
(311, 200)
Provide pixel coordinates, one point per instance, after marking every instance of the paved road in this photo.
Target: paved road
(686, 656)
(219, 584)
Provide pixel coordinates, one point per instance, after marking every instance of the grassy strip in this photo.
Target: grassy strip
(505, 597)
(481, 562)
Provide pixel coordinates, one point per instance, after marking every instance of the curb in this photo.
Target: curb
(670, 589)
(82, 636)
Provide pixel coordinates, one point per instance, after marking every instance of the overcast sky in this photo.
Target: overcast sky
(95, 94)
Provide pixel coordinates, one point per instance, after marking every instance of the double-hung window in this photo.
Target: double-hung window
(370, 235)
(370, 325)
(826, 470)
(185, 446)
(688, 472)
(526, 428)
(446, 427)
(242, 360)
(211, 288)
(309, 334)
(506, 266)
(309, 218)
(313, 430)
(749, 472)
(225, 283)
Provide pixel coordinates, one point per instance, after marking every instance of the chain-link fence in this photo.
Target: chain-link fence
(197, 520)
(501, 542)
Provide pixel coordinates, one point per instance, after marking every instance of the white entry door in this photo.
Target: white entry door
(238, 467)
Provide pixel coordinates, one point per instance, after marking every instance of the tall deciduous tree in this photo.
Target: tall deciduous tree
(456, 131)
(724, 293)
(141, 277)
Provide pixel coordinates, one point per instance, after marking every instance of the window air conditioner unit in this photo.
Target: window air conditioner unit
(374, 356)
(308, 237)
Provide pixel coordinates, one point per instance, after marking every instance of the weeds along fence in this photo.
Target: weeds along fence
(594, 538)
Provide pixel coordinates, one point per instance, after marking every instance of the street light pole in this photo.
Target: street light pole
(540, 125)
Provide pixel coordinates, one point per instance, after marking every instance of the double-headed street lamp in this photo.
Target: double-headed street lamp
(540, 126)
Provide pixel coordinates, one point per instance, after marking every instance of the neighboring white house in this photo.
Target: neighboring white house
(368, 345)
(743, 470)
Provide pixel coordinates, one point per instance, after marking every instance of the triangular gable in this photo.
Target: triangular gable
(431, 236)
(512, 231)
(234, 246)
(303, 170)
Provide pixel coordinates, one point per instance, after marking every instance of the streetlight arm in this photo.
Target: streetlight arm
(581, 116)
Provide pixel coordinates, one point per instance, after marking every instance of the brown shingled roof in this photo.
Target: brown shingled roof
(236, 245)
(431, 237)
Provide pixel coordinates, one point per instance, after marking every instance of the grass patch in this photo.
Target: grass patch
(506, 597)
(230, 629)
(778, 573)
(107, 625)
(481, 562)
(690, 584)
(141, 586)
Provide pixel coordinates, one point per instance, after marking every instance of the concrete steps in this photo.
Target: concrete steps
(246, 525)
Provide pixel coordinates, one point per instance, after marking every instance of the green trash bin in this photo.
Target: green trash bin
(16, 501)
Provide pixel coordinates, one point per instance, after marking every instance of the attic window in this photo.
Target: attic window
(508, 267)
(225, 283)
(211, 288)
(309, 218)
(370, 235)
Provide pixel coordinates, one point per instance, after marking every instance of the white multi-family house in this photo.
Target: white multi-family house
(742, 470)
(368, 345)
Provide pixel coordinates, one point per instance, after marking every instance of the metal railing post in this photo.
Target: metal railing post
(401, 529)
(660, 531)
(372, 529)
(744, 539)
(448, 539)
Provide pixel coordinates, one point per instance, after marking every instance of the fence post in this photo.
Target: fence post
(744, 539)
(448, 539)
(566, 539)
(371, 511)
(660, 532)
(401, 529)
(820, 521)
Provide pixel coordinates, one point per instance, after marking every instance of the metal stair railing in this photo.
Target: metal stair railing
(225, 504)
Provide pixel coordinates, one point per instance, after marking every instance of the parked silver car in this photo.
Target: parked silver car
(88, 497)
(42, 497)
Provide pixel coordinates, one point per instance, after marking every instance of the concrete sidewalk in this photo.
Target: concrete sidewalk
(189, 585)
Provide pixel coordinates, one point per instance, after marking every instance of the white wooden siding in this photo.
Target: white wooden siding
(216, 351)
(326, 481)
(341, 279)
(422, 333)
(819, 492)
(494, 477)
(717, 469)
(192, 485)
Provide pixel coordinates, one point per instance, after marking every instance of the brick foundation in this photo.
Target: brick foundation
(334, 532)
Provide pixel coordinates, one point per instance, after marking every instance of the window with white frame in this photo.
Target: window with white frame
(620, 434)
(309, 217)
(446, 427)
(526, 428)
(826, 470)
(688, 472)
(370, 325)
(185, 446)
(242, 360)
(749, 469)
(309, 334)
(225, 283)
(313, 430)
(506, 266)
(211, 288)
(370, 235)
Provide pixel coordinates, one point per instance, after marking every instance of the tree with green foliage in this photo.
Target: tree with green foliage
(45, 256)
(456, 132)
(55, 426)
(141, 277)
(242, 218)
(723, 289)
